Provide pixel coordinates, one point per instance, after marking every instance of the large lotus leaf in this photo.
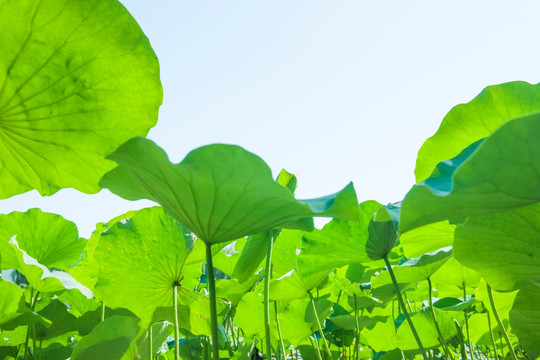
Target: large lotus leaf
(141, 260)
(193, 312)
(10, 300)
(503, 247)
(293, 322)
(86, 269)
(414, 270)
(249, 316)
(63, 322)
(233, 290)
(38, 275)
(454, 273)
(467, 123)
(295, 286)
(427, 239)
(284, 252)
(498, 173)
(340, 242)
(381, 336)
(220, 192)
(13, 311)
(252, 255)
(425, 327)
(525, 320)
(79, 304)
(77, 79)
(503, 300)
(110, 340)
(49, 238)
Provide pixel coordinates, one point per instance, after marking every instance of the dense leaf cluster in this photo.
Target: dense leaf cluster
(229, 265)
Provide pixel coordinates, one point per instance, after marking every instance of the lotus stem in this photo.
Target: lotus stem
(267, 276)
(492, 337)
(460, 338)
(499, 322)
(315, 344)
(356, 330)
(467, 322)
(326, 347)
(432, 310)
(212, 293)
(176, 328)
(404, 309)
(282, 345)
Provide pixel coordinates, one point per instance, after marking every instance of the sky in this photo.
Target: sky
(333, 91)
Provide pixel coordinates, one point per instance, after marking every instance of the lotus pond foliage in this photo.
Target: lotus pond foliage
(229, 264)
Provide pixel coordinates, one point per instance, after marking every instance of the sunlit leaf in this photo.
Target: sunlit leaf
(77, 78)
(220, 192)
(498, 173)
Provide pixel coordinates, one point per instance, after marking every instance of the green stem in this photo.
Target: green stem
(460, 338)
(315, 344)
(499, 322)
(267, 276)
(176, 328)
(356, 330)
(102, 311)
(326, 347)
(33, 300)
(404, 309)
(492, 337)
(212, 293)
(467, 322)
(432, 310)
(282, 345)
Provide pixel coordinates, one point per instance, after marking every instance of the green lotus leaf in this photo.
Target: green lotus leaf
(77, 79)
(427, 239)
(86, 269)
(525, 320)
(38, 275)
(340, 242)
(495, 174)
(453, 304)
(249, 316)
(414, 270)
(381, 336)
(49, 238)
(13, 310)
(468, 123)
(110, 340)
(286, 246)
(425, 327)
(141, 259)
(295, 286)
(193, 312)
(220, 192)
(454, 273)
(293, 321)
(502, 247)
(63, 323)
(252, 255)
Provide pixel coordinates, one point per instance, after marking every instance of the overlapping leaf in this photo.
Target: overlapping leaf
(498, 173)
(220, 192)
(77, 78)
(141, 259)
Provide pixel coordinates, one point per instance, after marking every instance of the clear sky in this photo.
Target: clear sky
(333, 91)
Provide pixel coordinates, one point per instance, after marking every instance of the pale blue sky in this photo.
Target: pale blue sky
(334, 91)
